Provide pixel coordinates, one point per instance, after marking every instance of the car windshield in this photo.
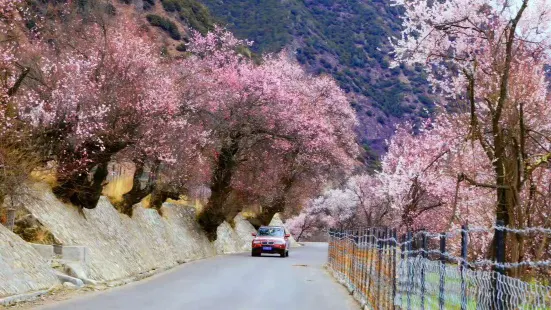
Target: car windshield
(271, 231)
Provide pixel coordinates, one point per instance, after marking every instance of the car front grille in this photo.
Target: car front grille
(267, 242)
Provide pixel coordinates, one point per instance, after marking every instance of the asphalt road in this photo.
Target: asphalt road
(239, 282)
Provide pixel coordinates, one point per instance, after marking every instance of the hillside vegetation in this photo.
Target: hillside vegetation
(348, 39)
(89, 84)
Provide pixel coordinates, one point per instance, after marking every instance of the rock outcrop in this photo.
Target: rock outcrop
(244, 230)
(235, 239)
(22, 269)
(227, 241)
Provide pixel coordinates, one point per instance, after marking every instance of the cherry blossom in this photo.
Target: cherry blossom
(264, 120)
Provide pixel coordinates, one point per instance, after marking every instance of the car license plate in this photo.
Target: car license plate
(267, 248)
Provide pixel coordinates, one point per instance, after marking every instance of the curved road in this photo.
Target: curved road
(239, 282)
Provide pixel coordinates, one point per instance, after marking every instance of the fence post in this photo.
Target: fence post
(370, 257)
(393, 266)
(364, 262)
(379, 257)
(463, 265)
(500, 258)
(360, 262)
(345, 256)
(442, 270)
(424, 256)
(339, 252)
(402, 263)
(390, 280)
(385, 267)
(409, 247)
(353, 261)
(329, 252)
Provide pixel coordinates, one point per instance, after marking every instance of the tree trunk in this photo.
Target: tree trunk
(265, 217)
(158, 197)
(76, 187)
(79, 190)
(277, 206)
(503, 194)
(137, 193)
(217, 211)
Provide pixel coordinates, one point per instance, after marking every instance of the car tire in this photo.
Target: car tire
(287, 253)
(283, 255)
(253, 253)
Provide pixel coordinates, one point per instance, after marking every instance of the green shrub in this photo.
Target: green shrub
(148, 4)
(171, 5)
(192, 12)
(181, 47)
(166, 24)
(353, 32)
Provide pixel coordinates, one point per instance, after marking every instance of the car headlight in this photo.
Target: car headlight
(257, 241)
(279, 242)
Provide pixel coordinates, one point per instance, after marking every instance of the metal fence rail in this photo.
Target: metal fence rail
(385, 272)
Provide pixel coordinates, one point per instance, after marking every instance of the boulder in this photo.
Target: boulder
(227, 241)
(244, 230)
(69, 285)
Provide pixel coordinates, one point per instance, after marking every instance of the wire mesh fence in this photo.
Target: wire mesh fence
(385, 271)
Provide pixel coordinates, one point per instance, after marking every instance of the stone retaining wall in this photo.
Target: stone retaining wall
(235, 239)
(22, 269)
(119, 246)
(102, 245)
(68, 253)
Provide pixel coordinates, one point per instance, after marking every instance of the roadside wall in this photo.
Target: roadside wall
(235, 239)
(22, 269)
(109, 246)
(119, 246)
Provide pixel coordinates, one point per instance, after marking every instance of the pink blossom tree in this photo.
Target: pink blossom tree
(89, 102)
(422, 176)
(266, 116)
(488, 58)
(336, 208)
(359, 203)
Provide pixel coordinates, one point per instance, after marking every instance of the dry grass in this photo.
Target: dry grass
(115, 189)
(188, 202)
(248, 214)
(47, 174)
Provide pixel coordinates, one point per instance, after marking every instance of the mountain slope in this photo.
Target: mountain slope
(345, 38)
(348, 39)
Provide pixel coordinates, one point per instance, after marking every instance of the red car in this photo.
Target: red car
(271, 240)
